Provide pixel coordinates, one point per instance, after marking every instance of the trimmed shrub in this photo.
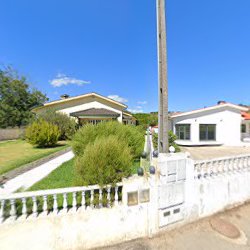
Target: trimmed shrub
(66, 124)
(131, 135)
(106, 161)
(42, 134)
(171, 140)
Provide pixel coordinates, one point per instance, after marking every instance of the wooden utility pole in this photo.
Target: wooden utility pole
(162, 78)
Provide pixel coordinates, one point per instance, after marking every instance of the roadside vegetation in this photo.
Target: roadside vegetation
(145, 120)
(14, 154)
(171, 139)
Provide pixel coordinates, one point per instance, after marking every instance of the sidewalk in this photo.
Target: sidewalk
(199, 235)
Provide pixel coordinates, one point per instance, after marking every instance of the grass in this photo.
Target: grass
(63, 177)
(14, 154)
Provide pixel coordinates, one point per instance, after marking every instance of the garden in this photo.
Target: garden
(104, 154)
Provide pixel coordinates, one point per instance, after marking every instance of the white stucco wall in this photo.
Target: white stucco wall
(228, 126)
(210, 195)
(79, 230)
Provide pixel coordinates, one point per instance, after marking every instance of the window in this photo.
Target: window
(243, 128)
(183, 131)
(207, 132)
(95, 122)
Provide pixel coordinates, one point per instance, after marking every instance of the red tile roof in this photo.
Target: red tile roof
(245, 115)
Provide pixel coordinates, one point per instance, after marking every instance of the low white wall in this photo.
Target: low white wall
(80, 230)
(84, 229)
(207, 196)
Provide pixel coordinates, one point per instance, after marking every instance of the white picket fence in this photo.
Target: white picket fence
(22, 204)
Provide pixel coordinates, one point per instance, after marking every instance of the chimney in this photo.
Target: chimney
(221, 102)
(65, 96)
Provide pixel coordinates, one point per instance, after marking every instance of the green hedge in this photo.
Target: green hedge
(42, 134)
(105, 161)
(132, 136)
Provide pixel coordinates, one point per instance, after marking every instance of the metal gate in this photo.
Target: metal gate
(171, 194)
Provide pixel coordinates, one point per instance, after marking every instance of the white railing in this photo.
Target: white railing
(47, 201)
(245, 137)
(213, 167)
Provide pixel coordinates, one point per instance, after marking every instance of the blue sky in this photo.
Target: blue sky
(109, 47)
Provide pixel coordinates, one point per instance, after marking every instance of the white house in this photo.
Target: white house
(217, 125)
(89, 108)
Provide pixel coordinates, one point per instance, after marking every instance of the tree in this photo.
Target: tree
(146, 120)
(17, 99)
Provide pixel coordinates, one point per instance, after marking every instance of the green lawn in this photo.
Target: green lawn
(14, 154)
(59, 178)
(63, 177)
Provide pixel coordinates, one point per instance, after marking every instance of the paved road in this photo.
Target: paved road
(198, 236)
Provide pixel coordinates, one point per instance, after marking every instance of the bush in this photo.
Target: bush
(131, 135)
(66, 124)
(42, 134)
(106, 161)
(171, 140)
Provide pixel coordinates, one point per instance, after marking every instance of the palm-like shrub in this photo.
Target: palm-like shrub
(42, 134)
(132, 136)
(106, 161)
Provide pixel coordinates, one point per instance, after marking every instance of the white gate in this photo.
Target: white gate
(171, 194)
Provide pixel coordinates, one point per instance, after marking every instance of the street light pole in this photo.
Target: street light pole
(162, 78)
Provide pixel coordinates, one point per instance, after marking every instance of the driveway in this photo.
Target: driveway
(202, 235)
(210, 152)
